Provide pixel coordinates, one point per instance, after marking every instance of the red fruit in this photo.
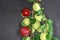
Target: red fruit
(24, 31)
(25, 12)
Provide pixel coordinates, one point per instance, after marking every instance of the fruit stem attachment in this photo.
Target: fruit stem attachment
(31, 35)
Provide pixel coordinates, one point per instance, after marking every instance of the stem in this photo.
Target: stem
(31, 36)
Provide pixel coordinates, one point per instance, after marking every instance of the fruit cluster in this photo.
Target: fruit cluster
(35, 25)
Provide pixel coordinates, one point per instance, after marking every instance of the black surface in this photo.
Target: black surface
(9, 11)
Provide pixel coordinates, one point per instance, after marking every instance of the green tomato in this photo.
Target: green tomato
(39, 30)
(43, 36)
(36, 25)
(26, 21)
(36, 7)
(38, 17)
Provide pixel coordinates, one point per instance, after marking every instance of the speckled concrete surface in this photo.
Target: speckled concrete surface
(9, 9)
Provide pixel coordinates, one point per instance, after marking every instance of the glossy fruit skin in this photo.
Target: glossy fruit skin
(26, 21)
(36, 7)
(24, 31)
(38, 18)
(43, 36)
(25, 12)
(36, 25)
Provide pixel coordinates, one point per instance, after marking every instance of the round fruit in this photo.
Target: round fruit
(43, 36)
(25, 12)
(36, 7)
(26, 21)
(36, 25)
(38, 17)
(24, 31)
(39, 30)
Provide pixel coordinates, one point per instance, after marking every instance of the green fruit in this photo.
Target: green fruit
(43, 36)
(39, 30)
(38, 17)
(36, 7)
(36, 25)
(26, 21)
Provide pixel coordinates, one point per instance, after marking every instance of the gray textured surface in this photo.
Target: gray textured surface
(9, 19)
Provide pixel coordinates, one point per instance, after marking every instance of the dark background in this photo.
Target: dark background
(9, 16)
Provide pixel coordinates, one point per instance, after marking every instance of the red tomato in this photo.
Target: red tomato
(25, 12)
(24, 31)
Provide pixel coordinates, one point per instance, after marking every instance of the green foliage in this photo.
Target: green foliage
(30, 0)
(33, 21)
(40, 12)
(26, 38)
(55, 38)
(50, 31)
(37, 36)
(22, 24)
(42, 27)
(44, 17)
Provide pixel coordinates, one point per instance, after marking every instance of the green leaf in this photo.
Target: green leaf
(30, 17)
(50, 21)
(24, 38)
(33, 38)
(44, 17)
(42, 27)
(22, 24)
(37, 36)
(40, 12)
(29, 26)
(30, 0)
(33, 21)
(55, 38)
(50, 34)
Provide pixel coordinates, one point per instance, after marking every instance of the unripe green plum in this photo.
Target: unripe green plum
(26, 21)
(36, 25)
(38, 17)
(39, 30)
(36, 7)
(43, 36)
